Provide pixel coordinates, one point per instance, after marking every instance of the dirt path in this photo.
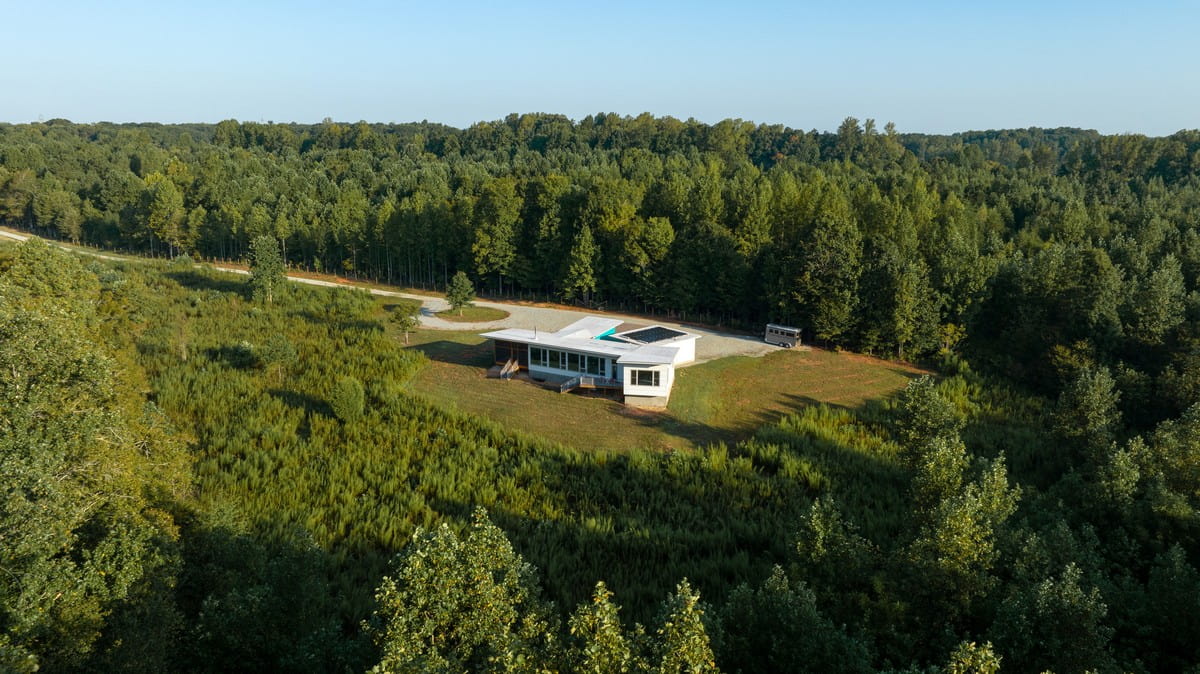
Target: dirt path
(711, 345)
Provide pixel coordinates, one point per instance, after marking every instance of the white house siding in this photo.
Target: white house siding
(665, 379)
(686, 352)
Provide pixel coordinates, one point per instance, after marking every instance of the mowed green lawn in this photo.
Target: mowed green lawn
(473, 314)
(457, 377)
(738, 394)
(722, 400)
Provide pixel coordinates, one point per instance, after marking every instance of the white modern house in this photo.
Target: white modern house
(590, 353)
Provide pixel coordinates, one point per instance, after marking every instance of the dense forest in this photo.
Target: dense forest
(865, 237)
(202, 477)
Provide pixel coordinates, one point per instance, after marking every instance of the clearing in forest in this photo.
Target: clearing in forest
(721, 400)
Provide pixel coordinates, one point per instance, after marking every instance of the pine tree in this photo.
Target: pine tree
(347, 399)
(581, 275)
(266, 268)
(830, 266)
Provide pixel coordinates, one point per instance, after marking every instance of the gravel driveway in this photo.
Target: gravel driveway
(710, 346)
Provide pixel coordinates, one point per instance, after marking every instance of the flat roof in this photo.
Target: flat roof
(590, 327)
(583, 336)
(651, 355)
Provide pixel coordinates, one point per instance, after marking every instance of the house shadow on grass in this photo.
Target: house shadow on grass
(699, 434)
(643, 522)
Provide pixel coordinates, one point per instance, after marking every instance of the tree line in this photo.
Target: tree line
(867, 238)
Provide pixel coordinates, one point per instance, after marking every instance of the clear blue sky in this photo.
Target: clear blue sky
(927, 66)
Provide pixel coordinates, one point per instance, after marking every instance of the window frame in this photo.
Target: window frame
(637, 375)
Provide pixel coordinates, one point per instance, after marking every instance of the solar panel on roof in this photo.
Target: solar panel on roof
(652, 335)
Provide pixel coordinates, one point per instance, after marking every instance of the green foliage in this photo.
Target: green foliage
(347, 399)
(460, 293)
(1025, 240)
(1041, 259)
(970, 658)
(598, 643)
(1172, 610)
(826, 287)
(406, 319)
(277, 355)
(1087, 410)
(957, 547)
(941, 466)
(267, 277)
(925, 416)
(1055, 625)
(1159, 305)
(88, 554)
(258, 604)
(683, 637)
(456, 604)
(778, 628)
(580, 281)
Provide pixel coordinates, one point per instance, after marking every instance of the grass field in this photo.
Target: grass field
(722, 400)
(738, 394)
(456, 376)
(473, 314)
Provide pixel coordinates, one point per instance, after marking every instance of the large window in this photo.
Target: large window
(644, 377)
(572, 362)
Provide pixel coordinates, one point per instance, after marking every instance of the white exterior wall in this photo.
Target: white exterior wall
(686, 352)
(666, 378)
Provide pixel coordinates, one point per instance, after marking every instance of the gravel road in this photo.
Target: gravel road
(711, 345)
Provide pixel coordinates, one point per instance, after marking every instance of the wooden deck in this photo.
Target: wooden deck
(590, 382)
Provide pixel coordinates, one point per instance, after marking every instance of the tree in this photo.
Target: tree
(581, 276)
(777, 628)
(924, 415)
(462, 604)
(406, 319)
(165, 213)
(1087, 410)
(956, 546)
(266, 268)
(835, 559)
(460, 293)
(347, 399)
(598, 642)
(277, 355)
(86, 559)
(916, 313)
(683, 640)
(1158, 306)
(830, 266)
(969, 658)
(1055, 625)
(497, 212)
(59, 209)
